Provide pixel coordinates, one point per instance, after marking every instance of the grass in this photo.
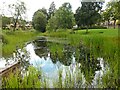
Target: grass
(106, 41)
(101, 42)
(17, 39)
(32, 80)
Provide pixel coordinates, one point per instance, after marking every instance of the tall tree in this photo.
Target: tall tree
(63, 18)
(88, 13)
(39, 21)
(113, 7)
(17, 11)
(106, 16)
(51, 10)
(52, 24)
(44, 11)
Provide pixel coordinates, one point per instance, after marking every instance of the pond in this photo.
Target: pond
(52, 57)
(51, 61)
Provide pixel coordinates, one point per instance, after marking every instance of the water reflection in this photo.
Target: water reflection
(89, 64)
(40, 62)
(42, 57)
(40, 47)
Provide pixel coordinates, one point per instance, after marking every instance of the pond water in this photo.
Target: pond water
(50, 62)
(51, 58)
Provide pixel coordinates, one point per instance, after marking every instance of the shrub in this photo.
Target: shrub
(39, 21)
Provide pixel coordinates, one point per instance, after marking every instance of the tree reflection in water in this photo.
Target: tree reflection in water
(82, 54)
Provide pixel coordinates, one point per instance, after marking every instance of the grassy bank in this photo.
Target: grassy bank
(15, 39)
(11, 40)
(100, 43)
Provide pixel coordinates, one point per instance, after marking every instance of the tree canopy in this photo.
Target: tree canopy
(63, 18)
(112, 12)
(17, 11)
(51, 10)
(39, 21)
(44, 11)
(88, 14)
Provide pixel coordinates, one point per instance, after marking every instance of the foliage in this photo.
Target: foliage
(111, 12)
(88, 13)
(51, 10)
(5, 21)
(39, 21)
(29, 80)
(52, 24)
(17, 11)
(106, 15)
(34, 78)
(63, 18)
(118, 9)
(9, 44)
(44, 11)
(100, 44)
(114, 5)
(20, 38)
(22, 23)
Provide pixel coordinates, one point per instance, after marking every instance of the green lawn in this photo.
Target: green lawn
(105, 32)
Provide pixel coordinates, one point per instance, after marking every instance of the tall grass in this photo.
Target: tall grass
(30, 79)
(15, 40)
(34, 78)
(103, 44)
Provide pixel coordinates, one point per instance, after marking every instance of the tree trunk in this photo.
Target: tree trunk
(108, 23)
(114, 24)
(15, 23)
(118, 26)
(87, 30)
(14, 26)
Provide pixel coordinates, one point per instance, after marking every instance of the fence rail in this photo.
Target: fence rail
(6, 70)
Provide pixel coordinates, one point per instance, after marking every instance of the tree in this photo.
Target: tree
(5, 21)
(44, 12)
(88, 14)
(113, 8)
(23, 23)
(106, 16)
(52, 24)
(51, 10)
(17, 11)
(63, 18)
(118, 9)
(39, 21)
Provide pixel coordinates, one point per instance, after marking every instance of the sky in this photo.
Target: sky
(34, 5)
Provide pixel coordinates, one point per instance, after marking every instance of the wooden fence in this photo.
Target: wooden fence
(6, 71)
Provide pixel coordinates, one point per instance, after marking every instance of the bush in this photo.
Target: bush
(39, 21)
